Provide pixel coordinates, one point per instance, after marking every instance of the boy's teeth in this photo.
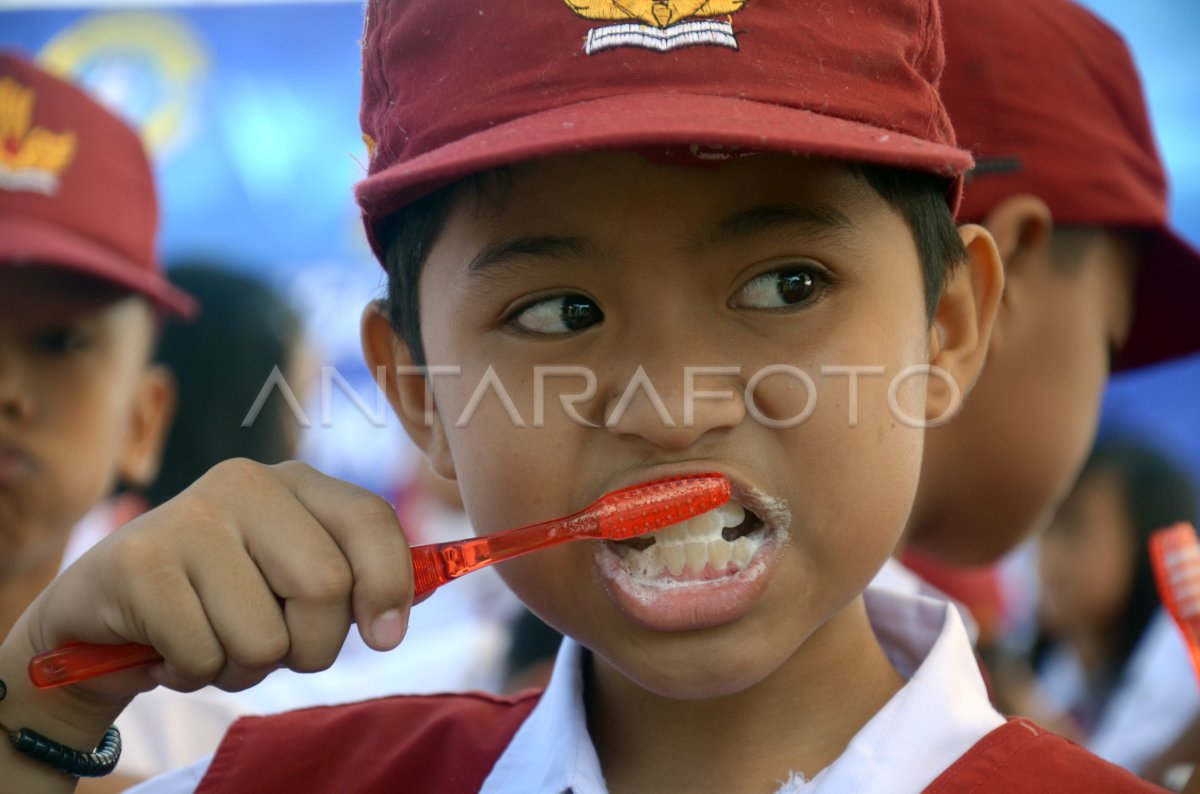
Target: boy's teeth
(697, 555)
(695, 545)
(675, 558)
(743, 550)
(731, 513)
(719, 554)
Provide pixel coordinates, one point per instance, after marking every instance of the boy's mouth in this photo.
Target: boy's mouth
(713, 545)
(14, 464)
(700, 573)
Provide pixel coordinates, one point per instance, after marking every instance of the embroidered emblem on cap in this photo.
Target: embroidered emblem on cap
(660, 25)
(30, 159)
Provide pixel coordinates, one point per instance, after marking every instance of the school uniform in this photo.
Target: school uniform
(939, 733)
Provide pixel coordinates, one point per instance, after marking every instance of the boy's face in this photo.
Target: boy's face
(608, 263)
(996, 473)
(1086, 559)
(78, 405)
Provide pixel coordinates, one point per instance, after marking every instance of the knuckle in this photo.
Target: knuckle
(328, 582)
(294, 468)
(138, 554)
(235, 472)
(312, 660)
(193, 671)
(372, 509)
(264, 652)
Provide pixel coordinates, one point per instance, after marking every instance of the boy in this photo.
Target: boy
(80, 406)
(1068, 181)
(628, 190)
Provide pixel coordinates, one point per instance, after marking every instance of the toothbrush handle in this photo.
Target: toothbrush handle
(81, 661)
(434, 564)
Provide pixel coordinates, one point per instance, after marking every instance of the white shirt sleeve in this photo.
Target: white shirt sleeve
(184, 780)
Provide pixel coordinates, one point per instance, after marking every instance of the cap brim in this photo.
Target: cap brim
(656, 119)
(34, 241)
(1165, 325)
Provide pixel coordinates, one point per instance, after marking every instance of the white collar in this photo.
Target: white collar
(930, 723)
(898, 577)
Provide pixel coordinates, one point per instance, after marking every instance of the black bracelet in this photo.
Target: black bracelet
(97, 763)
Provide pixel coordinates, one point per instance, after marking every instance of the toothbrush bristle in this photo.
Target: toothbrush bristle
(650, 507)
(1175, 556)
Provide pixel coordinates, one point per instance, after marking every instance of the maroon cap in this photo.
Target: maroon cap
(454, 87)
(76, 189)
(1047, 98)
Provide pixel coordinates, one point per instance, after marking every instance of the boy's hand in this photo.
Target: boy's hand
(252, 568)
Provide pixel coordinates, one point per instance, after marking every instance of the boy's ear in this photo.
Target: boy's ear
(154, 402)
(385, 352)
(1021, 225)
(962, 323)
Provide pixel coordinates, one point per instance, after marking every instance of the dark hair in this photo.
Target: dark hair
(1156, 493)
(221, 363)
(919, 197)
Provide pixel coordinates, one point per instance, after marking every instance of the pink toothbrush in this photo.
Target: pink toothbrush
(620, 515)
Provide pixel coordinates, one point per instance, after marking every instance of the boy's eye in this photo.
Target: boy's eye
(60, 340)
(560, 314)
(780, 289)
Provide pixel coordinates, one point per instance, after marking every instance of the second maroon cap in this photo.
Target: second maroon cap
(1048, 99)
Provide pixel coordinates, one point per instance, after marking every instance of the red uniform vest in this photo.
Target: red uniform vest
(447, 744)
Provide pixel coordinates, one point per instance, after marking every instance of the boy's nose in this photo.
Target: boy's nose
(675, 407)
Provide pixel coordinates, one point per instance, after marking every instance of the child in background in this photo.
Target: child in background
(81, 406)
(1068, 181)
(630, 193)
(1105, 676)
(221, 363)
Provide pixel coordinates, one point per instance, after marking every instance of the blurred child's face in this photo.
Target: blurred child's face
(615, 266)
(73, 392)
(1086, 559)
(998, 471)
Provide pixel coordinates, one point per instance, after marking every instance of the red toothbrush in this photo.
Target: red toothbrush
(1175, 555)
(619, 515)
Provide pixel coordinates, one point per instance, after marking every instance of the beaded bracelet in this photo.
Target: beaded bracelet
(97, 763)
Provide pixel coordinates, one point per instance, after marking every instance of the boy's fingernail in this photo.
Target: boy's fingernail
(388, 629)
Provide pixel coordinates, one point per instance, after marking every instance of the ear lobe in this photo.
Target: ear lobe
(154, 404)
(388, 356)
(962, 323)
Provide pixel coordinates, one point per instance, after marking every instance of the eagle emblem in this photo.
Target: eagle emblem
(660, 25)
(32, 158)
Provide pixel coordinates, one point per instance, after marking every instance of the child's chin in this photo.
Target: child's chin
(698, 676)
(690, 600)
